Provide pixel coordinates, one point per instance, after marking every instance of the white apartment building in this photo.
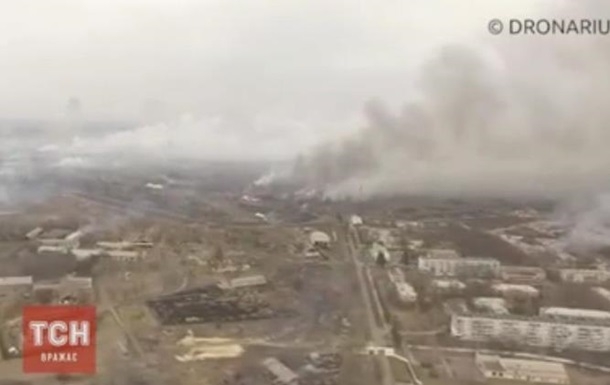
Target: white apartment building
(454, 267)
(593, 276)
(590, 335)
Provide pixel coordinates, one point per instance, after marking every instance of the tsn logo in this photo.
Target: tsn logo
(59, 339)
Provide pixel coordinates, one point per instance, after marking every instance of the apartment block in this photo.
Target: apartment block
(589, 335)
(592, 276)
(459, 267)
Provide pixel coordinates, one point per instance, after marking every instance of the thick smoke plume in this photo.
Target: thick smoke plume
(513, 115)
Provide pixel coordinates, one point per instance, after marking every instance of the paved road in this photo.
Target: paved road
(376, 328)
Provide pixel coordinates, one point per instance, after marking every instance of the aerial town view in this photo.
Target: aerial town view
(304, 193)
(255, 285)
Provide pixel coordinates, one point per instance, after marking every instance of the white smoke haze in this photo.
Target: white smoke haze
(204, 139)
(460, 112)
(588, 223)
(507, 116)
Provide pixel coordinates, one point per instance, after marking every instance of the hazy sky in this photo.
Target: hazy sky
(311, 60)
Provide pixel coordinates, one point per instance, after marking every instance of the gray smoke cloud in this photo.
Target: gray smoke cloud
(505, 115)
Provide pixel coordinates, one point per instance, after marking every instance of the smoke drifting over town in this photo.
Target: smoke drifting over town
(511, 115)
(482, 115)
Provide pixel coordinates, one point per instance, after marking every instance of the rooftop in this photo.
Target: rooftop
(52, 249)
(123, 253)
(83, 281)
(576, 313)
(538, 318)
(522, 269)
(502, 287)
(55, 234)
(279, 370)
(405, 289)
(443, 254)
(13, 281)
(85, 253)
(448, 284)
(377, 248)
(497, 305)
(584, 271)
(252, 280)
(74, 235)
(532, 367)
(319, 236)
(462, 260)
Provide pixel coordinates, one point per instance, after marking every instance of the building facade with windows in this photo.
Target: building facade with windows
(543, 331)
(458, 267)
(592, 276)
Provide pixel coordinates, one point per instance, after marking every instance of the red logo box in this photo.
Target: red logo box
(59, 339)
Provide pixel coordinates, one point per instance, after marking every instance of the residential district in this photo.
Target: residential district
(198, 284)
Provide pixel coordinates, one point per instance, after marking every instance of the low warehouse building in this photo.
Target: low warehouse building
(15, 285)
(249, 281)
(280, 372)
(491, 304)
(575, 314)
(34, 233)
(513, 290)
(448, 285)
(320, 239)
(84, 254)
(53, 249)
(69, 286)
(125, 255)
(496, 367)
